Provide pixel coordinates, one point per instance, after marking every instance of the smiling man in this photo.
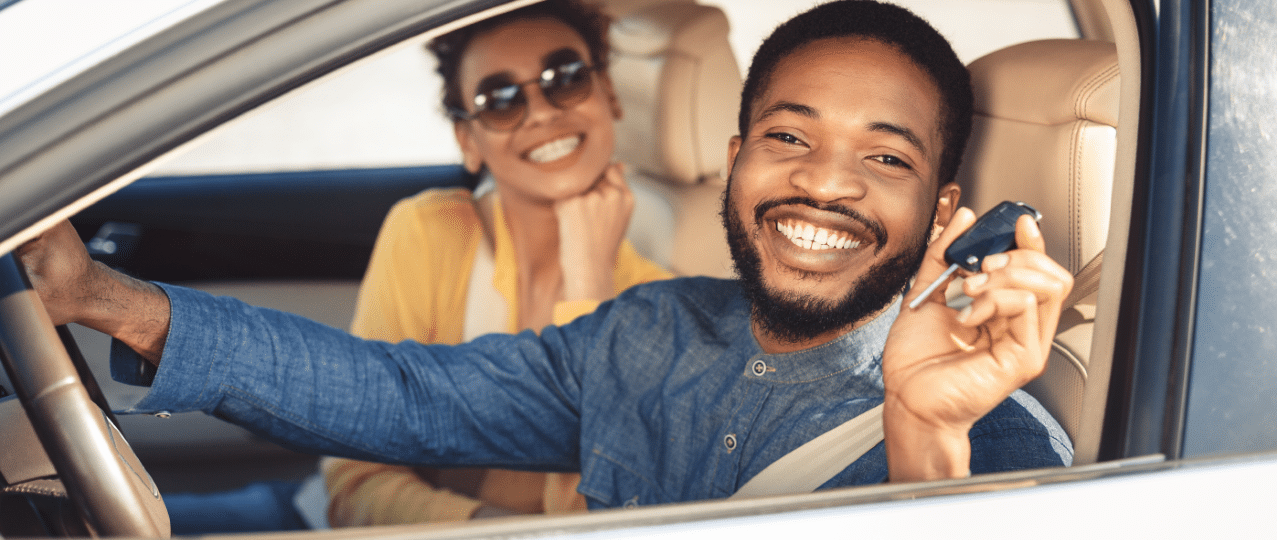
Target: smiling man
(835, 187)
(853, 120)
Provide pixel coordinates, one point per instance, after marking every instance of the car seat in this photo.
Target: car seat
(679, 86)
(1044, 133)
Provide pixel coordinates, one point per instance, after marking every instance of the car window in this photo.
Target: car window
(384, 112)
(1231, 403)
(380, 113)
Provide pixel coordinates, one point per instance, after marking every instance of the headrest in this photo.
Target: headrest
(1044, 132)
(1049, 82)
(679, 85)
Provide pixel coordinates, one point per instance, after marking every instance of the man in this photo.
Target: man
(853, 119)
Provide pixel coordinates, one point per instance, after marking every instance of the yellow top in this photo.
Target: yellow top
(415, 288)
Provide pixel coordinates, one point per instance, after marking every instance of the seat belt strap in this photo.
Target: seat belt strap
(809, 466)
(1085, 282)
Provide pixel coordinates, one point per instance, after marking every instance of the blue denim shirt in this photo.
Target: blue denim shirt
(661, 395)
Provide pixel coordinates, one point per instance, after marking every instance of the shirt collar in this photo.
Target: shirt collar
(858, 351)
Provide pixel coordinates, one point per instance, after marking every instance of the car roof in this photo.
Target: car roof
(45, 42)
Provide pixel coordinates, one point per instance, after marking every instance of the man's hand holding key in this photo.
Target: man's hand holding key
(935, 393)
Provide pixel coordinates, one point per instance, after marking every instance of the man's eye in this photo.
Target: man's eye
(892, 161)
(784, 137)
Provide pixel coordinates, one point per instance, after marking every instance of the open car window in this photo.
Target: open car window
(385, 112)
(370, 132)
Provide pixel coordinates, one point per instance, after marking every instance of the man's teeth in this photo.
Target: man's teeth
(807, 236)
(555, 149)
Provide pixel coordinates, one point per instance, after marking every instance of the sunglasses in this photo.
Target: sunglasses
(501, 105)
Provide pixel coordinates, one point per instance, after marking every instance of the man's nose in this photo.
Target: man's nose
(830, 174)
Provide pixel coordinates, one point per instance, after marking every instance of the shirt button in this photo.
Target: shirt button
(632, 502)
(729, 442)
(760, 367)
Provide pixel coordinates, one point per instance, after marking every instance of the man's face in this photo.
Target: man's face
(833, 191)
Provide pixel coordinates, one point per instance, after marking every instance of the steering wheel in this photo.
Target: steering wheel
(103, 477)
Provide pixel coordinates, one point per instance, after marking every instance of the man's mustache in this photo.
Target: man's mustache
(876, 229)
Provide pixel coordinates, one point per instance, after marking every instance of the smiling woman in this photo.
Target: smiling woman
(533, 108)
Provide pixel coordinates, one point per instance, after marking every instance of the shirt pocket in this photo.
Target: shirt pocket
(609, 482)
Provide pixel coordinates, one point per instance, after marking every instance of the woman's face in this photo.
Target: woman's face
(554, 153)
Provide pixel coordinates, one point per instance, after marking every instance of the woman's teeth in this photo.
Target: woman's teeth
(807, 236)
(555, 149)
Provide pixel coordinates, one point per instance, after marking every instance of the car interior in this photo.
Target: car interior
(1056, 144)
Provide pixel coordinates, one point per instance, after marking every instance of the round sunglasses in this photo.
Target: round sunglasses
(502, 106)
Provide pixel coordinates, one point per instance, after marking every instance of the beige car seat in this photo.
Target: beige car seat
(1045, 133)
(679, 86)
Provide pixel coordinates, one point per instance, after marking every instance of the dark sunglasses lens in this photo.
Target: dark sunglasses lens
(570, 85)
(502, 108)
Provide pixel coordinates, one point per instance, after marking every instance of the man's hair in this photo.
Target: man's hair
(586, 19)
(891, 25)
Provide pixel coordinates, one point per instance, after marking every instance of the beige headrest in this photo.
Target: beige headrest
(675, 74)
(1044, 133)
(1049, 82)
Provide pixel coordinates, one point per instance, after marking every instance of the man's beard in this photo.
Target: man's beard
(794, 318)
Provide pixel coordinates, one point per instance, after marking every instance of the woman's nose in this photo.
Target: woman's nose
(540, 110)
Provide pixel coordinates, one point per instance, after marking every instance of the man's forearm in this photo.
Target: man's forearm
(133, 311)
(75, 288)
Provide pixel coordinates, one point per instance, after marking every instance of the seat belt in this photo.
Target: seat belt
(809, 466)
(1085, 282)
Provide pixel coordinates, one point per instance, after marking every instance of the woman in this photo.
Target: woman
(533, 109)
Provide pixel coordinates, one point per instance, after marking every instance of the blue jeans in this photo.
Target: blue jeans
(257, 507)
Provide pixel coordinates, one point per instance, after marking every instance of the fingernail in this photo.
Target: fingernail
(962, 315)
(978, 280)
(996, 261)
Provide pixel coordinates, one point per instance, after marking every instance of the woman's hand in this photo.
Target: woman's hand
(591, 228)
(944, 369)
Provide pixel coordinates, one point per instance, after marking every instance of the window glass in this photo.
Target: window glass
(385, 112)
(1231, 403)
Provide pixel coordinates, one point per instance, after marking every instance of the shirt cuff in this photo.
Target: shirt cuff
(199, 325)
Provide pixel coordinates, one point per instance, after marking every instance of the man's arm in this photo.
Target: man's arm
(319, 389)
(945, 369)
(75, 288)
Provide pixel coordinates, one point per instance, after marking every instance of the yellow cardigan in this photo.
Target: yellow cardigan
(415, 288)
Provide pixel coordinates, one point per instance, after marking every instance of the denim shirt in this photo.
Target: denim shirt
(661, 395)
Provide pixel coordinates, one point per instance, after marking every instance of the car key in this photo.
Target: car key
(993, 233)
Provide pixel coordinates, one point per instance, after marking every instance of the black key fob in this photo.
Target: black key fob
(993, 233)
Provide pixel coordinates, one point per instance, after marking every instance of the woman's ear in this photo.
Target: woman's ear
(471, 159)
